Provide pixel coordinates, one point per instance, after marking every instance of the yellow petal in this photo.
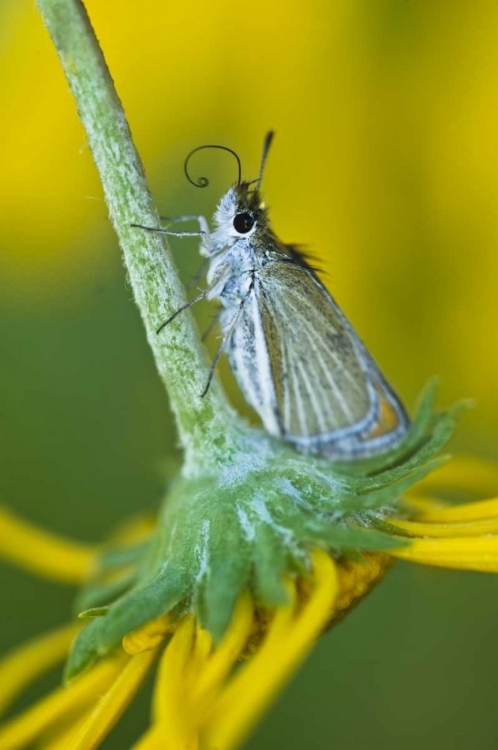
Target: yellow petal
(61, 734)
(201, 651)
(136, 529)
(44, 553)
(287, 642)
(112, 704)
(154, 739)
(21, 667)
(421, 529)
(229, 650)
(147, 637)
(22, 730)
(433, 511)
(202, 671)
(466, 553)
(462, 474)
(171, 695)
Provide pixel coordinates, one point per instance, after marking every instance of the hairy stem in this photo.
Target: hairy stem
(205, 424)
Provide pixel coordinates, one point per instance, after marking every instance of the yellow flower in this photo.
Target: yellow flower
(306, 546)
(203, 698)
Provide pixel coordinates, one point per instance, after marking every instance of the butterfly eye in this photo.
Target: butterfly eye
(243, 223)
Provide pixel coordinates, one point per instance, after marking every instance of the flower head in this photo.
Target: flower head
(256, 549)
(227, 638)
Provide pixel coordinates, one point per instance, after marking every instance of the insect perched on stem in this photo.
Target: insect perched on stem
(296, 358)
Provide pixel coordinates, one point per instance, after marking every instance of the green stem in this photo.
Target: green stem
(206, 425)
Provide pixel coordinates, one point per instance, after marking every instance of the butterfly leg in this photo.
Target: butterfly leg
(160, 230)
(203, 230)
(210, 327)
(200, 296)
(181, 309)
(222, 346)
(198, 274)
(201, 220)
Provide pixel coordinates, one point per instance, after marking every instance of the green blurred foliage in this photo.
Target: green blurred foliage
(385, 164)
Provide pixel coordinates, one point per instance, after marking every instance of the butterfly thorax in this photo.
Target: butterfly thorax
(240, 246)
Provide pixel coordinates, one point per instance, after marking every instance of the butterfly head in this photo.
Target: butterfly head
(241, 213)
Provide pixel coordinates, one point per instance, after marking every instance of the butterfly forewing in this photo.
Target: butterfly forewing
(320, 384)
(315, 384)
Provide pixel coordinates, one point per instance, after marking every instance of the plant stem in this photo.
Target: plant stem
(203, 423)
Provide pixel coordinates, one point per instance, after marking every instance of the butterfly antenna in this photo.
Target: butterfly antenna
(264, 156)
(203, 181)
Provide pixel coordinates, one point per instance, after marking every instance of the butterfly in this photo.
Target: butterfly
(295, 356)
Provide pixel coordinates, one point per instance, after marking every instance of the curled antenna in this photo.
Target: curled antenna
(264, 155)
(203, 181)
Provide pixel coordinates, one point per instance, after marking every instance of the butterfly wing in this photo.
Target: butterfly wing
(306, 372)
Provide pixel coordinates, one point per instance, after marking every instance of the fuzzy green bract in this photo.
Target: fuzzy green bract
(248, 523)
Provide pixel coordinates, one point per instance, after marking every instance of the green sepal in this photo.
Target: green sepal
(84, 651)
(419, 430)
(98, 594)
(119, 556)
(253, 520)
(270, 562)
(89, 614)
(220, 584)
(136, 608)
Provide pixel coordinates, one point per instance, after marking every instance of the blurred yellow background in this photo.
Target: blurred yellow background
(385, 166)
